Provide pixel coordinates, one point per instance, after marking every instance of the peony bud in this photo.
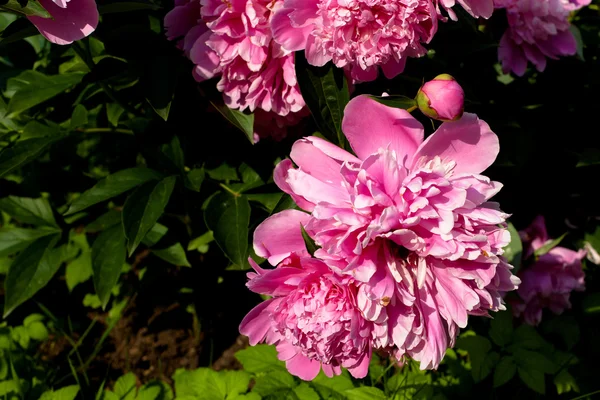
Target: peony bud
(441, 98)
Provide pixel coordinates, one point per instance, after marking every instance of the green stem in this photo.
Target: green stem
(107, 130)
(585, 395)
(236, 194)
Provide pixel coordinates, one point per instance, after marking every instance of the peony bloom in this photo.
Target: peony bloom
(312, 317)
(537, 29)
(361, 35)
(408, 218)
(477, 8)
(441, 98)
(71, 20)
(549, 282)
(232, 40)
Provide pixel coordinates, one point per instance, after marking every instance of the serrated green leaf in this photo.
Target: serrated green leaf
(22, 153)
(228, 217)
(108, 257)
(113, 185)
(143, 208)
(277, 383)
(30, 271)
(325, 91)
(505, 370)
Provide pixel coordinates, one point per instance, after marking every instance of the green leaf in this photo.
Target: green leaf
(79, 270)
(79, 117)
(285, 203)
(244, 122)
(482, 360)
(108, 257)
(112, 186)
(591, 303)
(13, 240)
(155, 390)
(310, 244)
(159, 82)
(397, 101)
(578, 39)
(565, 382)
(365, 393)
(514, 250)
(201, 242)
(260, 358)
(19, 29)
(37, 331)
(549, 245)
(505, 370)
(332, 388)
(228, 217)
(125, 387)
(194, 179)
(173, 153)
(501, 328)
(533, 360)
(22, 153)
(28, 210)
(30, 271)
(113, 113)
(305, 392)
(206, 384)
(174, 254)
(111, 218)
(65, 393)
(533, 379)
(35, 130)
(143, 208)
(155, 234)
(325, 91)
(267, 200)
(31, 8)
(278, 384)
(526, 337)
(35, 88)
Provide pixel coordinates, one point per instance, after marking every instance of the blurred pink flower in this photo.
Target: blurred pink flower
(477, 8)
(232, 40)
(549, 282)
(361, 35)
(409, 218)
(537, 29)
(312, 317)
(71, 20)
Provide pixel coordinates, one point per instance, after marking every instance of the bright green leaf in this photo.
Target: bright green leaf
(125, 387)
(277, 383)
(565, 382)
(112, 186)
(546, 247)
(260, 358)
(108, 257)
(365, 393)
(79, 270)
(305, 392)
(79, 117)
(38, 331)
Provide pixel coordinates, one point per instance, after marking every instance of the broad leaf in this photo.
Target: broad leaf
(108, 257)
(228, 217)
(501, 327)
(505, 370)
(31, 8)
(174, 254)
(112, 186)
(13, 240)
(31, 271)
(396, 101)
(533, 379)
(365, 393)
(259, 359)
(514, 250)
(143, 208)
(125, 387)
(325, 91)
(28, 210)
(244, 122)
(22, 153)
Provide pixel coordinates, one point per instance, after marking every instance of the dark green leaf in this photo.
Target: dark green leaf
(278, 384)
(244, 122)
(526, 337)
(285, 203)
(310, 244)
(30, 271)
(35, 88)
(514, 251)
(22, 153)
(325, 91)
(28, 210)
(79, 117)
(174, 254)
(143, 208)
(505, 370)
(482, 360)
(159, 81)
(155, 234)
(194, 179)
(36, 129)
(533, 379)
(397, 101)
(578, 39)
(268, 200)
(591, 303)
(111, 218)
(13, 240)
(173, 152)
(533, 360)
(112, 186)
(113, 113)
(19, 29)
(549, 245)
(31, 8)
(108, 257)
(501, 328)
(228, 217)
(365, 393)
(332, 388)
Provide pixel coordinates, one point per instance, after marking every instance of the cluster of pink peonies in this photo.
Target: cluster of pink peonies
(70, 20)
(409, 244)
(537, 29)
(549, 281)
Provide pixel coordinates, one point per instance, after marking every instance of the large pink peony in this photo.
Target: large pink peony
(410, 219)
(233, 40)
(361, 35)
(537, 29)
(547, 283)
(70, 20)
(312, 317)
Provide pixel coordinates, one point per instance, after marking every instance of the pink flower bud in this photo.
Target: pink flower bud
(441, 98)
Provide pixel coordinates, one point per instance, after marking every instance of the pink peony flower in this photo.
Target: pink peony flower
(361, 35)
(71, 20)
(537, 29)
(441, 98)
(312, 317)
(477, 8)
(549, 282)
(408, 218)
(233, 40)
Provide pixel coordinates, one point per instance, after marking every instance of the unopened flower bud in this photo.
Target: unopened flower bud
(441, 98)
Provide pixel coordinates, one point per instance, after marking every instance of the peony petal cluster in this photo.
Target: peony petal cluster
(549, 281)
(537, 30)
(232, 40)
(70, 20)
(407, 221)
(477, 8)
